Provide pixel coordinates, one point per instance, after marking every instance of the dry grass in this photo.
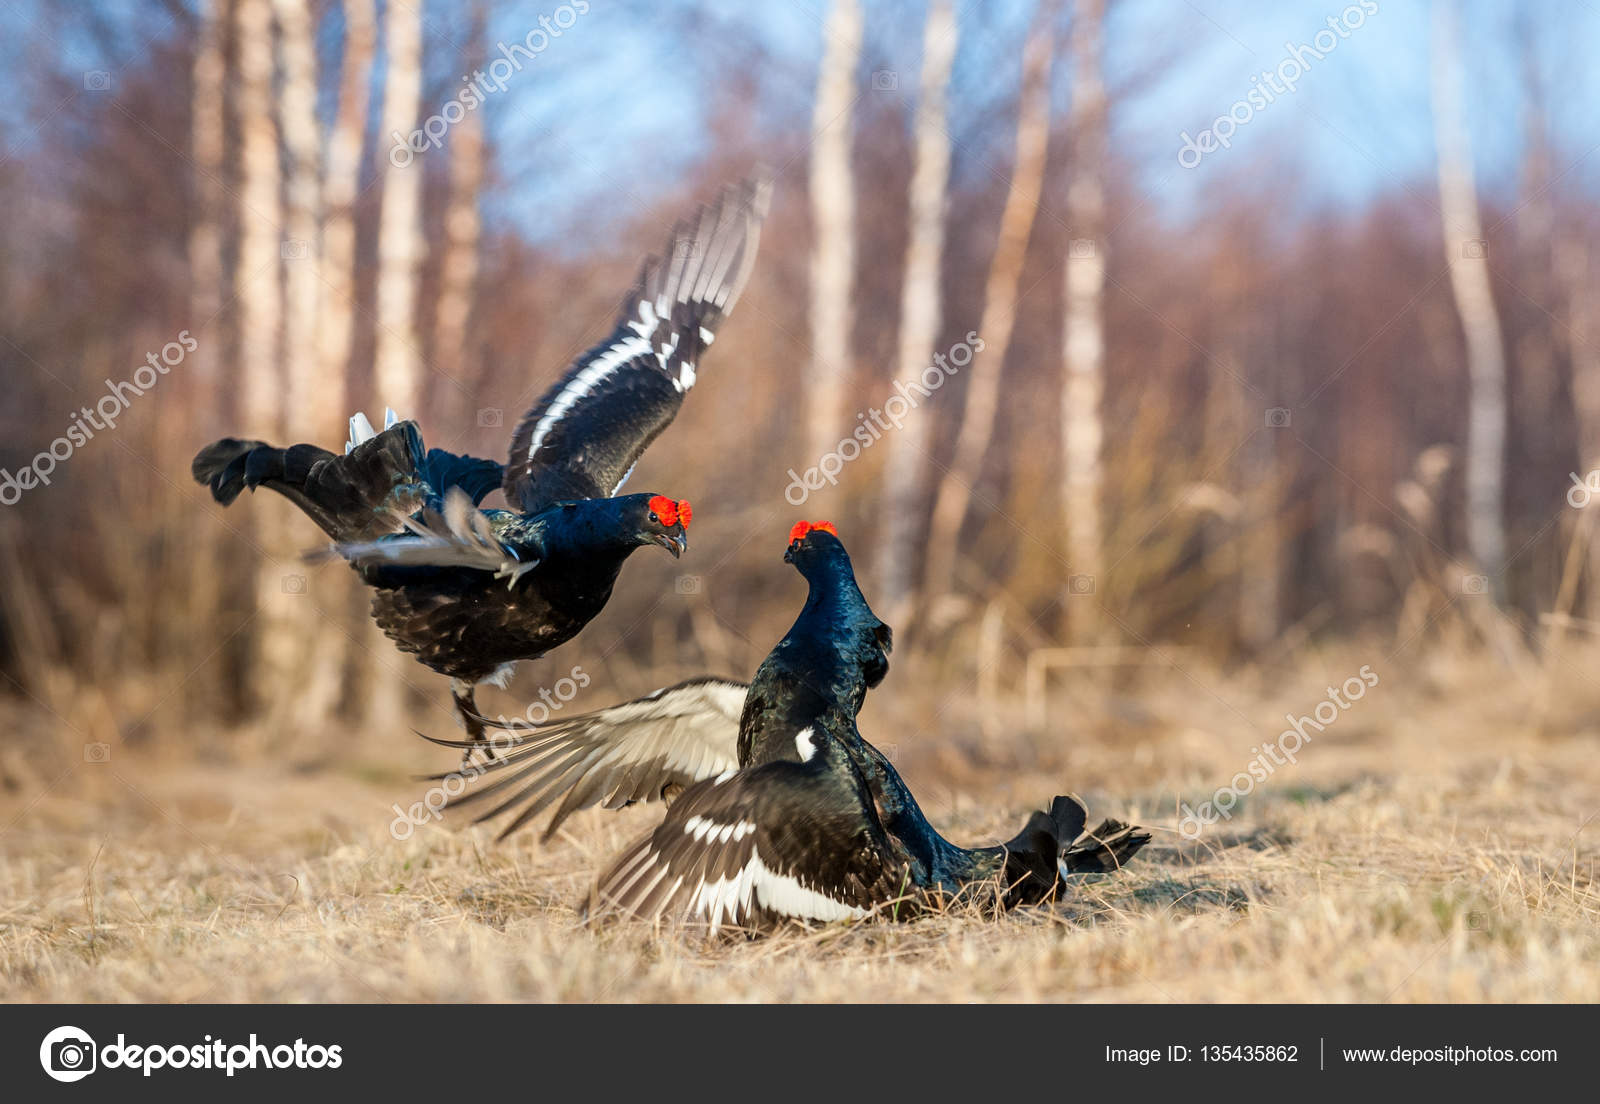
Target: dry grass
(1428, 847)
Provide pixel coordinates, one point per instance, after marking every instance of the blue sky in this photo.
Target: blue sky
(619, 107)
(631, 95)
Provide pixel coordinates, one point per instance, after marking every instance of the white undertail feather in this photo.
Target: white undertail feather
(361, 430)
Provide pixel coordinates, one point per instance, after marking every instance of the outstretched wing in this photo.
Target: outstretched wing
(583, 436)
(778, 841)
(640, 750)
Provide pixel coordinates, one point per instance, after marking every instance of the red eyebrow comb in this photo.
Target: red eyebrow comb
(666, 509)
(801, 528)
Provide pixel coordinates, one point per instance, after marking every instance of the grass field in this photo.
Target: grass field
(1434, 844)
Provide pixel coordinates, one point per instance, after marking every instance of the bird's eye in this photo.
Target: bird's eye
(654, 518)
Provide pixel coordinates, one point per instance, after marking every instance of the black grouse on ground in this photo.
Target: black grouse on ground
(786, 811)
(470, 592)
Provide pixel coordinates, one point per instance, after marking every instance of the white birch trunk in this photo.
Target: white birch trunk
(1466, 255)
(207, 126)
(396, 374)
(396, 368)
(1083, 344)
(260, 306)
(306, 413)
(920, 314)
(976, 430)
(207, 567)
(833, 215)
(341, 179)
(260, 215)
(458, 268)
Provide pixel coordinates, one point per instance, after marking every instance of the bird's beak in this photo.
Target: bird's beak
(788, 553)
(677, 543)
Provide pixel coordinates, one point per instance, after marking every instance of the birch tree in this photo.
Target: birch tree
(341, 179)
(260, 216)
(260, 320)
(206, 145)
(1083, 343)
(458, 268)
(396, 373)
(976, 429)
(302, 141)
(833, 216)
(920, 311)
(206, 129)
(396, 369)
(1466, 255)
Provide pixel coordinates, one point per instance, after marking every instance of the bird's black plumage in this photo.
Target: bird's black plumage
(790, 812)
(471, 591)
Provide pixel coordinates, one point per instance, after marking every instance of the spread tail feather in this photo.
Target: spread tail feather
(1104, 850)
(1053, 844)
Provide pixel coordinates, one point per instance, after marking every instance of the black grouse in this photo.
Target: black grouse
(785, 811)
(469, 591)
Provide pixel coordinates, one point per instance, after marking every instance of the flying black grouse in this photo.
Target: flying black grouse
(785, 811)
(471, 592)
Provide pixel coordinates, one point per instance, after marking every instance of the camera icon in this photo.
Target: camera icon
(68, 1054)
(295, 249)
(97, 80)
(687, 584)
(294, 584)
(1081, 248)
(97, 753)
(1474, 584)
(885, 80)
(490, 417)
(1475, 249)
(1080, 584)
(1278, 418)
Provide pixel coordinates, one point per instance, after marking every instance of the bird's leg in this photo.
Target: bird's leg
(463, 693)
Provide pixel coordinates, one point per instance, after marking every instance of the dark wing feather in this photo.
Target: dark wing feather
(459, 536)
(583, 436)
(784, 840)
(636, 751)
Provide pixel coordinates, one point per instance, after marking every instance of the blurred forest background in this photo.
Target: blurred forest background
(1326, 374)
